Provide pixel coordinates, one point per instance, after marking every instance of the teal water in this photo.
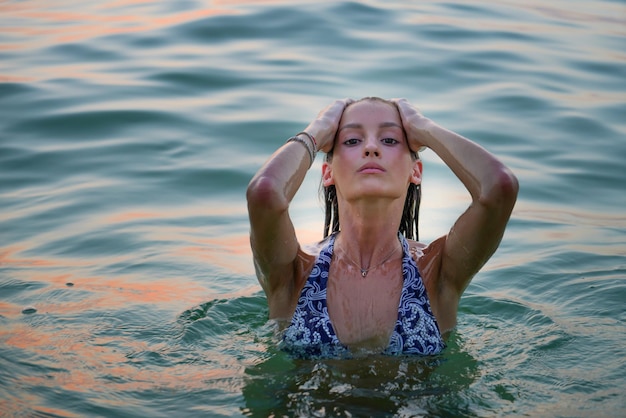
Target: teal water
(129, 130)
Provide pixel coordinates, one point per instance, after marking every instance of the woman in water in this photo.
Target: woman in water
(369, 287)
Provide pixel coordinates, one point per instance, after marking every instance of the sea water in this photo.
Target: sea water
(130, 129)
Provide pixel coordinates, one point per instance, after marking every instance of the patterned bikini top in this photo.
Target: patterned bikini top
(311, 334)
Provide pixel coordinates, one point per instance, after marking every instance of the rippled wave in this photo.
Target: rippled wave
(130, 129)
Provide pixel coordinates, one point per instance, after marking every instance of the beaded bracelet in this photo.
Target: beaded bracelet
(311, 146)
(311, 137)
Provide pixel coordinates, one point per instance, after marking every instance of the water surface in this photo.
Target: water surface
(130, 129)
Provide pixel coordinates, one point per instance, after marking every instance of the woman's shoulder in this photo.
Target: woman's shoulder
(423, 252)
(313, 249)
(304, 262)
(416, 249)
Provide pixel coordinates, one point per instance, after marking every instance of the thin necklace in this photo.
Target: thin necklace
(367, 270)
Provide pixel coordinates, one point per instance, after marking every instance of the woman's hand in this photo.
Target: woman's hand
(414, 123)
(324, 127)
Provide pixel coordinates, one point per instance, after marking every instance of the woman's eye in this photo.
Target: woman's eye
(351, 141)
(389, 141)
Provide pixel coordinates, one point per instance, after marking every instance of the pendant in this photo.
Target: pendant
(364, 272)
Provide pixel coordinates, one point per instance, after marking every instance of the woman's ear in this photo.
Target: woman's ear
(416, 172)
(327, 175)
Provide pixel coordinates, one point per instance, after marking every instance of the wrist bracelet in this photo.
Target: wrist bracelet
(311, 137)
(310, 145)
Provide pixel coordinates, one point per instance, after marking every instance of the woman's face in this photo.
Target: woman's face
(371, 157)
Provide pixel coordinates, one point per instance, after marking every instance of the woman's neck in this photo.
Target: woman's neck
(369, 232)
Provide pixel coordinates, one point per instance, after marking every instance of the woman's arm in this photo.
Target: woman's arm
(271, 190)
(493, 187)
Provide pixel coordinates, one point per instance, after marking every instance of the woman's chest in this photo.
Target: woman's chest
(363, 311)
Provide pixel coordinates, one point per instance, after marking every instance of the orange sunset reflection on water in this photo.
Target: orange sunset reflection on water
(82, 361)
(76, 330)
(60, 25)
(82, 342)
(229, 252)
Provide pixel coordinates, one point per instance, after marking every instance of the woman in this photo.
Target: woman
(367, 288)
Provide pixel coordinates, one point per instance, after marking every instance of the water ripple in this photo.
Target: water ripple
(130, 129)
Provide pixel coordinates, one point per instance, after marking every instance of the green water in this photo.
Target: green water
(130, 129)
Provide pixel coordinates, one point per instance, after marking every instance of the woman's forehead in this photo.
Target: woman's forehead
(367, 110)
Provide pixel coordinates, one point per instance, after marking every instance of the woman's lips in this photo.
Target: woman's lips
(371, 168)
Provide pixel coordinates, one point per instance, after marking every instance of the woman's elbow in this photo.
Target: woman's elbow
(263, 193)
(502, 193)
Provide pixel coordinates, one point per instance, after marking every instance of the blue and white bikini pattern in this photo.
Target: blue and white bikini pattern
(311, 334)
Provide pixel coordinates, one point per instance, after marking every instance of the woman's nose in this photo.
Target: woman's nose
(371, 147)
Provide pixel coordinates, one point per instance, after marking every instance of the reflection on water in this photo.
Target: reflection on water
(377, 386)
(63, 23)
(130, 129)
